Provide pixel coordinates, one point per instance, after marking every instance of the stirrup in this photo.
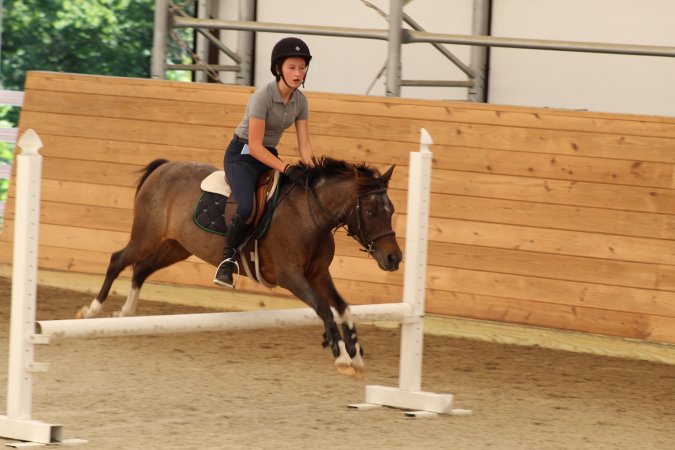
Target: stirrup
(234, 280)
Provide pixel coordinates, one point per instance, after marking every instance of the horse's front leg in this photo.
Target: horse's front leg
(332, 339)
(324, 285)
(351, 339)
(302, 289)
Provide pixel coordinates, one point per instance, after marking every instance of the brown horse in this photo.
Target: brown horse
(296, 251)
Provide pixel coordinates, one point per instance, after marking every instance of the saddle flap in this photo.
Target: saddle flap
(265, 187)
(266, 184)
(216, 183)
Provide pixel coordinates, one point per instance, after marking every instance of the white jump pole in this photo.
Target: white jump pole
(409, 394)
(198, 323)
(17, 424)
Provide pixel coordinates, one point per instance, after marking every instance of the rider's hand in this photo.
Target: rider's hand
(296, 173)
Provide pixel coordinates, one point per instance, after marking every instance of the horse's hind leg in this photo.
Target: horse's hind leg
(169, 253)
(118, 261)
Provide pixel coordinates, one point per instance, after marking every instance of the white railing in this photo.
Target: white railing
(5, 172)
(11, 98)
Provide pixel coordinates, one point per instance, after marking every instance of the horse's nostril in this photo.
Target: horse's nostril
(393, 259)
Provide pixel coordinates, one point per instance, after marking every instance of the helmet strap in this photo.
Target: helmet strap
(303, 80)
(286, 83)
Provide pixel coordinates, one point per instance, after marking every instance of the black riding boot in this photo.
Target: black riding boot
(235, 235)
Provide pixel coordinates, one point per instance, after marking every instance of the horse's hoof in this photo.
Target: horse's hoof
(358, 373)
(345, 369)
(358, 361)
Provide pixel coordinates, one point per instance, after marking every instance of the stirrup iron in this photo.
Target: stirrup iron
(234, 280)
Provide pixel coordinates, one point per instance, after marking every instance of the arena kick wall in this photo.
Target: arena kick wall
(544, 217)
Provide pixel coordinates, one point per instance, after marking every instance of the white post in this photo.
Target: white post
(393, 80)
(202, 44)
(24, 275)
(245, 44)
(159, 37)
(417, 226)
(409, 394)
(18, 424)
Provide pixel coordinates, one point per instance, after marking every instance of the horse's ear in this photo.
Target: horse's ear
(387, 175)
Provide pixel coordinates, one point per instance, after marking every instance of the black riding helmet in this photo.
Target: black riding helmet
(287, 48)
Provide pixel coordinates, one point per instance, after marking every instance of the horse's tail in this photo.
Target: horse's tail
(148, 170)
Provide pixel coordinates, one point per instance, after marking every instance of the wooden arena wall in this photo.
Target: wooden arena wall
(542, 217)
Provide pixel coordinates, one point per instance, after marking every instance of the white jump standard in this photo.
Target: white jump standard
(409, 395)
(18, 424)
(25, 332)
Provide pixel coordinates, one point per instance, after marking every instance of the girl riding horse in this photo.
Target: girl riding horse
(252, 150)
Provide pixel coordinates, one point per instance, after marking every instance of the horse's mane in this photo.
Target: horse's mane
(327, 167)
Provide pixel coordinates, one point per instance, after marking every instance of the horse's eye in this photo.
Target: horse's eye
(370, 212)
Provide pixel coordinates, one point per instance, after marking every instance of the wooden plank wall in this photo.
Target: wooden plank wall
(542, 217)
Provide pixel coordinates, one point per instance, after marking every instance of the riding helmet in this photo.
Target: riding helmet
(287, 48)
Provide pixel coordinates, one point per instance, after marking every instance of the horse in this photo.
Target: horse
(295, 252)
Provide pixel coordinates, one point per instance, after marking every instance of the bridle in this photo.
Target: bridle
(360, 235)
(366, 242)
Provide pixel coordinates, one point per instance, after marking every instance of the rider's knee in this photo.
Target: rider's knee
(244, 211)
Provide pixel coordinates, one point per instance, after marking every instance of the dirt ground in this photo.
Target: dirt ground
(277, 389)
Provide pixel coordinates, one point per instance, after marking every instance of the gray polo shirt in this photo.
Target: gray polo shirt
(266, 104)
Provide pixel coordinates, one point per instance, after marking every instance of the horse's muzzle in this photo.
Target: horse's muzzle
(390, 261)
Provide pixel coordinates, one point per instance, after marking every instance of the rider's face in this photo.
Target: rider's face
(294, 70)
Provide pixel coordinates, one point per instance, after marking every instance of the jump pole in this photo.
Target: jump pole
(203, 322)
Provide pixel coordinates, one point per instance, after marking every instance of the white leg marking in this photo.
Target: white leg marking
(346, 318)
(93, 310)
(357, 361)
(130, 305)
(344, 362)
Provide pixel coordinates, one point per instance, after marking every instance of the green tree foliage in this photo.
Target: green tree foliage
(104, 37)
(101, 37)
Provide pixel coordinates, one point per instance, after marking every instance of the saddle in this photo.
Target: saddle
(216, 206)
